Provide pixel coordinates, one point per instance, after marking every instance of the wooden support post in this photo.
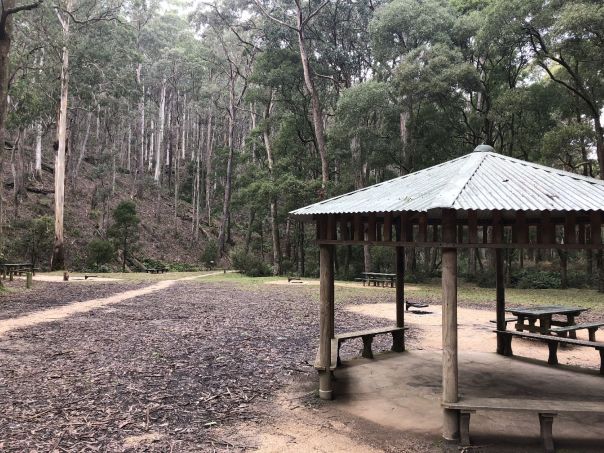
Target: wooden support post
(344, 230)
(547, 229)
(520, 229)
(359, 235)
(449, 323)
(472, 239)
(398, 344)
(371, 227)
(596, 228)
(326, 319)
(28, 279)
(499, 280)
(332, 227)
(388, 227)
(570, 234)
(500, 290)
(581, 234)
(422, 232)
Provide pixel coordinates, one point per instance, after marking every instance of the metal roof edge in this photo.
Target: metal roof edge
(302, 211)
(577, 176)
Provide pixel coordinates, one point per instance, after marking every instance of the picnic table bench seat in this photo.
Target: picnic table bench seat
(398, 343)
(591, 327)
(552, 342)
(546, 409)
(506, 320)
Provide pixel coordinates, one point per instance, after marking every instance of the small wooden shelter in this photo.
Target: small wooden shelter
(480, 200)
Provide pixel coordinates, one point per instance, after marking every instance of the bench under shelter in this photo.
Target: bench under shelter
(479, 200)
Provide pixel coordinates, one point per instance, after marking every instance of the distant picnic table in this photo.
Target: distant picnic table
(377, 278)
(9, 269)
(528, 316)
(157, 270)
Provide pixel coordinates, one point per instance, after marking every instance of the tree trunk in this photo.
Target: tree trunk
(5, 41)
(248, 234)
(208, 160)
(160, 133)
(226, 207)
(38, 153)
(83, 147)
(317, 113)
(58, 255)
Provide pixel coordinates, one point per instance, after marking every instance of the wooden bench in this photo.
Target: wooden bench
(591, 327)
(411, 304)
(159, 270)
(546, 409)
(398, 343)
(552, 343)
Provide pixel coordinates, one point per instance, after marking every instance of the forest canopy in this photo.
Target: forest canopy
(235, 112)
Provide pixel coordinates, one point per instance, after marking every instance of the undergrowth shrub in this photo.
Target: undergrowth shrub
(249, 264)
(100, 253)
(210, 251)
(536, 279)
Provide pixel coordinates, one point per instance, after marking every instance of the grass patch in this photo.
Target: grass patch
(132, 276)
(467, 292)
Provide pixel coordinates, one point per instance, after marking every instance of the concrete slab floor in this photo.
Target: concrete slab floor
(402, 392)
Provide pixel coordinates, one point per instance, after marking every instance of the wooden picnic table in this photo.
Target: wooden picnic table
(376, 277)
(545, 317)
(10, 268)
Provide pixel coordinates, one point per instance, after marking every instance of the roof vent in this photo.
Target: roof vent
(484, 149)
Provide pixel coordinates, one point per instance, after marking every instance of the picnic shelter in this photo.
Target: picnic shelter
(480, 200)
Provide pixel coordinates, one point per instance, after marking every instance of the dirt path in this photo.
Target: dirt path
(64, 311)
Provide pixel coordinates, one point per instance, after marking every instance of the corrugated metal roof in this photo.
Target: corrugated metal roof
(481, 181)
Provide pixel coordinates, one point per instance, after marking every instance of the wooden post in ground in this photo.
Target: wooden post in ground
(28, 280)
(326, 323)
(499, 279)
(449, 321)
(500, 290)
(398, 344)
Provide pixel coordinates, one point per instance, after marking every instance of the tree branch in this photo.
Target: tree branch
(273, 18)
(315, 12)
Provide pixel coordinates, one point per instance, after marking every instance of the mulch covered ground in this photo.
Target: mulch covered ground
(170, 367)
(42, 295)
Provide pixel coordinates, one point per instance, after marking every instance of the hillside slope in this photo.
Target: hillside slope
(165, 232)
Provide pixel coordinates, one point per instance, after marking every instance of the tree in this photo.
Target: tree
(301, 24)
(100, 252)
(124, 230)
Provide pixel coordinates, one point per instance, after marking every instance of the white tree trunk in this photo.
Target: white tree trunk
(58, 254)
(38, 158)
(160, 133)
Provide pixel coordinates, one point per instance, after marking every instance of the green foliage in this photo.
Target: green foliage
(182, 267)
(124, 230)
(536, 279)
(36, 239)
(209, 254)
(249, 264)
(100, 253)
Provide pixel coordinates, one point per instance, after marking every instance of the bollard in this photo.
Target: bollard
(28, 280)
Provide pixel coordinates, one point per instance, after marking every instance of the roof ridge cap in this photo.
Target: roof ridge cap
(453, 188)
